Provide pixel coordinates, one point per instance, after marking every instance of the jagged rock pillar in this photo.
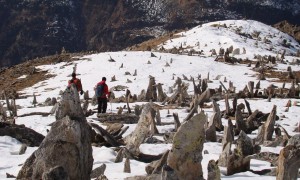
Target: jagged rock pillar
(210, 131)
(142, 130)
(151, 93)
(239, 160)
(226, 144)
(216, 117)
(265, 131)
(228, 134)
(155, 167)
(67, 145)
(161, 95)
(70, 104)
(2, 113)
(244, 144)
(240, 123)
(186, 154)
(251, 88)
(288, 163)
(213, 171)
(289, 159)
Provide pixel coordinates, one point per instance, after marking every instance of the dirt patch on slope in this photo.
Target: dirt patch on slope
(292, 30)
(282, 76)
(25, 75)
(153, 43)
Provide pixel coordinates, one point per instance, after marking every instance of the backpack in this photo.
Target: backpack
(100, 90)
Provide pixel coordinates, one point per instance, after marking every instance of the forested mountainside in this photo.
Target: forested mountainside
(35, 28)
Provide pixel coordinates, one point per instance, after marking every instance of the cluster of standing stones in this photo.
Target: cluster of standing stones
(66, 151)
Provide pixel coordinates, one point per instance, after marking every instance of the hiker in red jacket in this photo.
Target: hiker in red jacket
(77, 83)
(102, 94)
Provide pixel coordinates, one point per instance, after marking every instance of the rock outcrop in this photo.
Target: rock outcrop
(67, 147)
(292, 30)
(288, 163)
(142, 130)
(213, 171)
(70, 105)
(266, 131)
(186, 154)
(21, 133)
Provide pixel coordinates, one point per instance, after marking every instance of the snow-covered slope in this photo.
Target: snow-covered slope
(92, 68)
(254, 36)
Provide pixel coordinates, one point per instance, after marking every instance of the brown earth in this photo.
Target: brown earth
(281, 76)
(9, 81)
(292, 30)
(153, 43)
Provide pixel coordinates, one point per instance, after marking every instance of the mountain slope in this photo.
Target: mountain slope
(214, 35)
(30, 29)
(91, 68)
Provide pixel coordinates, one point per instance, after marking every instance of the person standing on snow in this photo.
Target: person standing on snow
(102, 94)
(77, 83)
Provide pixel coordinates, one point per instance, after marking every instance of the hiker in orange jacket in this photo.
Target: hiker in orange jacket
(77, 83)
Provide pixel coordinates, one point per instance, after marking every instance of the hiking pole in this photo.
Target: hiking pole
(109, 99)
(110, 106)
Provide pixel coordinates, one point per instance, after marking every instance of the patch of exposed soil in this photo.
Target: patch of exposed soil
(282, 76)
(10, 77)
(292, 30)
(153, 43)
(278, 76)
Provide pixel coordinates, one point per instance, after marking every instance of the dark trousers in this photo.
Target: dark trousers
(102, 105)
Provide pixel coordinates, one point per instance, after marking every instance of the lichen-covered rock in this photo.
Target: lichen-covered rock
(239, 159)
(295, 141)
(70, 105)
(168, 173)
(244, 144)
(148, 177)
(288, 163)
(141, 132)
(237, 163)
(23, 149)
(210, 133)
(155, 167)
(227, 140)
(224, 156)
(213, 171)
(186, 154)
(21, 133)
(68, 145)
(228, 134)
(127, 168)
(239, 121)
(56, 173)
(265, 132)
(98, 171)
(216, 117)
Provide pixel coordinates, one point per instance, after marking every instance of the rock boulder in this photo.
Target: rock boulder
(186, 154)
